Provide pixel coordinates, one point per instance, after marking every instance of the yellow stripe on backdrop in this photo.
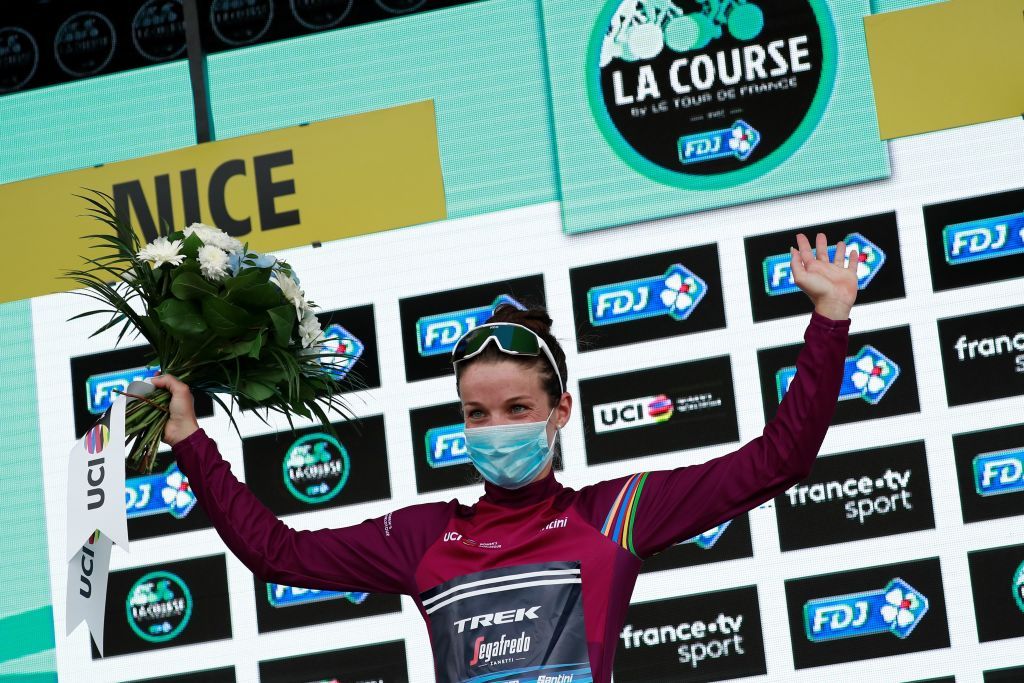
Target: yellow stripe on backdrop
(285, 188)
(948, 64)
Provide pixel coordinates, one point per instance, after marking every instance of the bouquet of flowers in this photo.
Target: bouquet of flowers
(223, 319)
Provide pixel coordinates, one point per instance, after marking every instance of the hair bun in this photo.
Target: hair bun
(535, 318)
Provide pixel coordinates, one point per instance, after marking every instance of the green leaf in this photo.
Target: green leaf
(189, 286)
(226, 319)
(182, 318)
(283, 320)
(250, 277)
(257, 391)
(191, 246)
(260, 297)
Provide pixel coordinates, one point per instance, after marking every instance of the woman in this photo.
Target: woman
(532, 581)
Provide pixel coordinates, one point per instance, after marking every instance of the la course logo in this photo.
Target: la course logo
(705, 94)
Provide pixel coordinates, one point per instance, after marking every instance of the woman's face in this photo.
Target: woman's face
(504, 392)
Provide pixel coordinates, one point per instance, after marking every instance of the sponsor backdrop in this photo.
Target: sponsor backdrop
(898, 559)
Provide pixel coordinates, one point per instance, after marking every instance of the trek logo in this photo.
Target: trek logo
(279, 595)
(676, 294)
(895, 609)
(495, 618)
(969, 349)
(859, 494)
(498, 651)
(709, 538)
(778, 274)
(103, 389)
(983, 239)
(159, 606)
(648, 410)
(340, 340)
(446, 446)
(867, 375)
(437, 334)
(162, 493)
(715, 639)
(999, 472)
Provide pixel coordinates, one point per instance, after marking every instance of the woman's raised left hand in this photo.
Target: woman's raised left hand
(831, 285)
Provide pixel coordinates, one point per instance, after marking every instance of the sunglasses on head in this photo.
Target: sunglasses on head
(510, 338)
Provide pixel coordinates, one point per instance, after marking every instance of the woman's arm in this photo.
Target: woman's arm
(379, 555)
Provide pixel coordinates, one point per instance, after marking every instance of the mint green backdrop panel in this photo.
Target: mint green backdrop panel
(45, 131)
(482, 64)
(598, 189)
(893, 5)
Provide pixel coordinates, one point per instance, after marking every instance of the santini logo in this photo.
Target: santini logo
(674, 294)
(446, 446)
(101, 390)
(895, 609)
(437, 334)
(860, 494)
(999, 472)
(778, 275)
(648, 410)
(969, 349)
(722, 634)
(984, 239)
(867, 375)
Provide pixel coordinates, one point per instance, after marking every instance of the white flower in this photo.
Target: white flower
(214, 237)
(678, 293)
(161, 251)
(309, 329)
(739, 140)
(870, 375)
(900, 607)
(213, 262)
(292, 292)
(176, 490)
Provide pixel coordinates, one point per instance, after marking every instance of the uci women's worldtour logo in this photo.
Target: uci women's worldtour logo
(316, 468)
(710, 93)
(159, 606)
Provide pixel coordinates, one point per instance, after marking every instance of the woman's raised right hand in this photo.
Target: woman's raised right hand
(182, 421)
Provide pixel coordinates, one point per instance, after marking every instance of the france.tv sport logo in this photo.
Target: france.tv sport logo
(676, 294)
(279, 595)
(895, 609)
(437, 334)
(103, 389)
(446, 446)
(778, 275)
(163, 493)
(999, 472)
(983, 239)
(867, 375)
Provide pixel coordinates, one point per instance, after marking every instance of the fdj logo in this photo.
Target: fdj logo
(709, 538)
(446, 446)
(867, 375)
(154, 494)
(437, 334)
(279, 595)
(665, 79)
(895, 609)
(778, 275)
(316, 468)
(674, 294)
(103, 389)
(158, 607)
(999, 472)
(341, 341)
(984, 239)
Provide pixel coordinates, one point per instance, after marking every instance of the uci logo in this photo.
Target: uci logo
(637, 412)
(437, 334)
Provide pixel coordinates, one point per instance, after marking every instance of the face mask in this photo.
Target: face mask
(510, 456)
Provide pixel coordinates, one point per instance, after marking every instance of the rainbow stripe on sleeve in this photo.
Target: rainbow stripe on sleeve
(618, 526)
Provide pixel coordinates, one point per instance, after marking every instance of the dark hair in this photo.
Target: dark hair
(535, 318)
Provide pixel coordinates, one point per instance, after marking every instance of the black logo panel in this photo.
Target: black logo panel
(161, 503)
(658, 410)
(225, 675)
(166, 605)
(309, 469)
(997, 584)
(879, 379)
(352, 331)
(707, 637)
(727, 541)
(976, 240)
(432, 323)
(983, 355)
(280, 607)
(773, 294)
(866, 613)
(648, 297)
(990, 472)
(852, 496)
(441, 460)
(1014, 674)
(381, 663)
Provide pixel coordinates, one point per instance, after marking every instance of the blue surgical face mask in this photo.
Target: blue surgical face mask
(511, 456)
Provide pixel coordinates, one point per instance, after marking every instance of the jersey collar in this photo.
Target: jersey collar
(521, 497)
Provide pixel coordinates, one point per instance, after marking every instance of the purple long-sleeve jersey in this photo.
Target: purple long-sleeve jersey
(530, 585)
